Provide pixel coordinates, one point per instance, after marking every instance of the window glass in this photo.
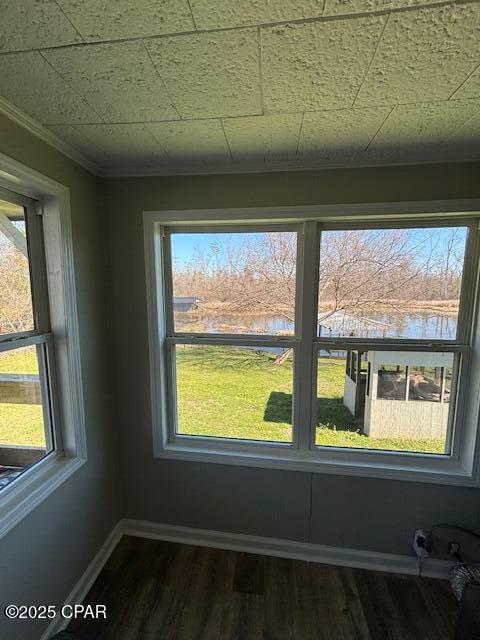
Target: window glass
(391, 283)
(25, 435)
(348, 416)
(391, 382)
(425, 383)
(16, 312)
(234, 282)
(234, 392)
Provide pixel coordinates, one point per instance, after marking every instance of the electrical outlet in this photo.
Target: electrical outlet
(421, 543)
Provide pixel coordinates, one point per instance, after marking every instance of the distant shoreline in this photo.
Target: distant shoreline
(391, 307)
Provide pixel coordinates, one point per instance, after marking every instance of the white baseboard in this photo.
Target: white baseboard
(82, 587)
(340, 556)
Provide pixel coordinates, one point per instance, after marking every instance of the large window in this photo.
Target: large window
(27, 431)
(322, 346)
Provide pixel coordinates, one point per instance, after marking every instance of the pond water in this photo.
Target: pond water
(424, 325)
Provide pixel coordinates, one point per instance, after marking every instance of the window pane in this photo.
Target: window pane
(16, 313)
(392, 283)
(374, 411)
(391, 382)
(234, 282)
(428, 384)
(23, 437)
(234, 392)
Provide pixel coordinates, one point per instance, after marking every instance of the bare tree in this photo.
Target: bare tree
(361, 271)
(256, 273)
(15, 295)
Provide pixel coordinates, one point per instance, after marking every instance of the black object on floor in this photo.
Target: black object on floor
(465, 583)
(468, 623)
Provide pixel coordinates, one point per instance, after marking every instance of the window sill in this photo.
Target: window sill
(347, 462)
(29, 490)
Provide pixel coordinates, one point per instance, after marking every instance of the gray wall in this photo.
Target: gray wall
(354, 512)
(42, 558)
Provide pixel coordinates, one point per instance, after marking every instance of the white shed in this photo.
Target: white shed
(402, 394)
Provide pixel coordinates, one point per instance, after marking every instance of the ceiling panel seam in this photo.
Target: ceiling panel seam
(68, 84)
(452, 133)
(68, 20)
(154, 137)
(381, 127)
(157, 73)
(260, 69)
(371, 61)
(300, 133)
(226, 139)
(466, 80)
(263, 25)
(193, 15)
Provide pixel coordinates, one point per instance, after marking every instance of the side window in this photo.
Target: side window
(26, 357)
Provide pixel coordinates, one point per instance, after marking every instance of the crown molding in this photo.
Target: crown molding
(281, 166)
(35, 128)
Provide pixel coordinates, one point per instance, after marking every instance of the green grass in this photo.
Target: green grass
(21, 424)
(240, 393)
(19, 361)
(227, 392)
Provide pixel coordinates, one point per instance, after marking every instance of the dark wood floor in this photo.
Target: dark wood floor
(163, 591)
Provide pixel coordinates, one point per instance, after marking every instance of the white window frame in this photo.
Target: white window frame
(461, 467)
(37, 482)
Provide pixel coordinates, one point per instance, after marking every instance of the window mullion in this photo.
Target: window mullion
(306, 322)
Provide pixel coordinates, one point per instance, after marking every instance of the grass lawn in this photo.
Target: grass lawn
(226, 392)
(233, 392)
(20, 424)
(240, 393)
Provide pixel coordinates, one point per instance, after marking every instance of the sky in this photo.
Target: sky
(183, 244)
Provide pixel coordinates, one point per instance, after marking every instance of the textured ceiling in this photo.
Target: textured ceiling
(173, 84)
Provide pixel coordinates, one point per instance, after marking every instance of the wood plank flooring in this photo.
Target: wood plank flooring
(164, 591)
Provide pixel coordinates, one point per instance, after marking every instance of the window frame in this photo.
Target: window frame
(41, 333)
(245, 339)
(302, 454)
(51, 201)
